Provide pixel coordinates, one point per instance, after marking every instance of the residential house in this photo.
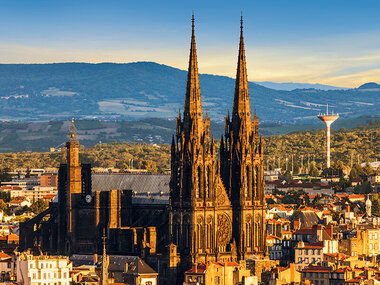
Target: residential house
(6, 267)
(316, 275)
(341, 276)
(223, 273)
(282, 275)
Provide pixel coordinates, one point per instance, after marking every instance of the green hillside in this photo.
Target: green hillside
(360, 144)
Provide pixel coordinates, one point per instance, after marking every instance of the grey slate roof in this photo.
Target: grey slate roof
(146, 188)
(308, 219)
(117, 263)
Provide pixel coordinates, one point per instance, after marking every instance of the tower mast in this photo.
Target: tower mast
(328, 120)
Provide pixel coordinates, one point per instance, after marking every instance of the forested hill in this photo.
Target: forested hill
(35, 92)
(361, 144)
(41, 136)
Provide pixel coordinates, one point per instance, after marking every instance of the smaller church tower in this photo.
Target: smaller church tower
(73, 163)
(74, 171)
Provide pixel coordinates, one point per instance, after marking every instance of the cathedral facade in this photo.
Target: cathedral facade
(217, 207)
(210, 208)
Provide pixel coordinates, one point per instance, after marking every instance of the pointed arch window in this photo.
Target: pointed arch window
(209, 181)
(249, 180)
(200, 183)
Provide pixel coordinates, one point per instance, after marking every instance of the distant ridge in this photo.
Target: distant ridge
(289, 86)
(138, 90)
(369, 85)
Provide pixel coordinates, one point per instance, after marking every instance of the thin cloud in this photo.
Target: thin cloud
(331, 60)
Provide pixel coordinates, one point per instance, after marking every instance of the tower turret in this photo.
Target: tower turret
(74, 171)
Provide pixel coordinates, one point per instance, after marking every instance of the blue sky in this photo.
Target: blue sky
(329, 42)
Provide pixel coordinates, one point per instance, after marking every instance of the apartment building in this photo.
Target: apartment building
(312, 254)
(43, 269)
(365, 240)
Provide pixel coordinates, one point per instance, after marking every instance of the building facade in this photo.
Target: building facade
(217, 207)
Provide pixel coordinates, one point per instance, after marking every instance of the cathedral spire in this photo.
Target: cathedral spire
(193, 104)
(242, 107)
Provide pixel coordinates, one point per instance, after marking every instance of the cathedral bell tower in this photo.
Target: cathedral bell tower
(74, 175)
(200, 211)
(241, 156)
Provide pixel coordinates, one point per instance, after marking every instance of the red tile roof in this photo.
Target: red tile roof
(11, 237)
(354, 280)
(4, 255)
(342, 270)
(16, 201)
(305, 231)
(318, 245)
(316, 269)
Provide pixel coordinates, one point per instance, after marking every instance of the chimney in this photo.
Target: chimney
(297, 224)
(95, 258)
(330, 230)
(319, 229)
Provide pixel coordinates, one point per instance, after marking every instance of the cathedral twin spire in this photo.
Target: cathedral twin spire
(193, 104)
(241, 109)
(241, 116)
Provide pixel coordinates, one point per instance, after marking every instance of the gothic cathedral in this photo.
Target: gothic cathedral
(217, 207)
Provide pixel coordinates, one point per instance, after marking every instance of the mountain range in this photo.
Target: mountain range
(132, 91)
(289, 86)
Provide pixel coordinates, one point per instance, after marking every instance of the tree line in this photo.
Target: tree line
(302, 151)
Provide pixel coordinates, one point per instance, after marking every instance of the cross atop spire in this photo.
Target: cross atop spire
(73, 137)
(241, 24)
(242, 107)
(193, 104)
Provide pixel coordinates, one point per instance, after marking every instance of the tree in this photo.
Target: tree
(336, 215)
(368, 170)
(356, 171)
(39, 206)
(3, 206)
(270, 201)
(364, 188)
(287, 176)
(376, 205)
(314, 172)
(4, 175)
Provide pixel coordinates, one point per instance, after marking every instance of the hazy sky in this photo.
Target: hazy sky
(316, 41)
